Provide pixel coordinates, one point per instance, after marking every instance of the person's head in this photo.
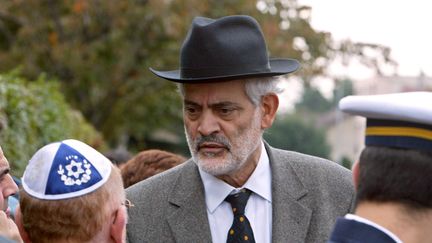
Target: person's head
(229, 91)
(396, 164)
(148, 163)
(224, 122)
(395, 175)
(71, 193)
(7, 184)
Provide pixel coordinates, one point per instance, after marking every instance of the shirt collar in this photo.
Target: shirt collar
(259, 182)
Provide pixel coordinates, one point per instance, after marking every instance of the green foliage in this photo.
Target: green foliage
(100, 52)
(33, 114)
(343, 88)
(289, 132)
(312, 100)
(346, 162)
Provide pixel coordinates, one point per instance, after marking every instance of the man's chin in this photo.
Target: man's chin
(213, 166)
(215, 171)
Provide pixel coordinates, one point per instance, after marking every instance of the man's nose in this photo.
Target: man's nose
(11, 187)
(208, 124)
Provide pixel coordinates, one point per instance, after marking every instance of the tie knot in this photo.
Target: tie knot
(238, 201)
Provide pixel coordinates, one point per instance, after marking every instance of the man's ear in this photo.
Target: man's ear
(269, 106)
(20, 225)
(118, 226)
(356, 173)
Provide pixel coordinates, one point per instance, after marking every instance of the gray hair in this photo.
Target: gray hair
(256, 88)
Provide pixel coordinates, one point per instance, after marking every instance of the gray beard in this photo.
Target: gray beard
(236, 157)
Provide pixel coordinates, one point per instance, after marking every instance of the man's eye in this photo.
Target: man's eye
(4, 175)
(190, 110)
(226, 111)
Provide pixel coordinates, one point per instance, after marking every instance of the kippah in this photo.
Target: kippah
(65, 169)
(401, 120)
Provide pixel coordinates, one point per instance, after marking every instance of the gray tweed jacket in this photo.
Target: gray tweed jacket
(308, 193)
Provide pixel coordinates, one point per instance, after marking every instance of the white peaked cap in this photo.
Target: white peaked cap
(402, 120)
(409, 106)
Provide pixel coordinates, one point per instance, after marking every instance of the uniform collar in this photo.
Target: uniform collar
(368, 222)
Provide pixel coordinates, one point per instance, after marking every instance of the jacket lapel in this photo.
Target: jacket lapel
(290, 217)
(189, 223)
(188, 220)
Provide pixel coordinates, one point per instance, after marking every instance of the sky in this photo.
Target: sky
(404, 26)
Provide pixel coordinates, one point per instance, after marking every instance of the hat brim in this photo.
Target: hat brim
(278, 66)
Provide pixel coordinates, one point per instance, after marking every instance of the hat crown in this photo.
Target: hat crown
(226, 46)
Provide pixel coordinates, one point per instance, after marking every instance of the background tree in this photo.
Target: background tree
(344, 87)
(314, 101)
(33, 114)
(100, 51)
(291, 133)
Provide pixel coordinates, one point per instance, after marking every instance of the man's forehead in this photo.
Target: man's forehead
(215, 84)
(219, 90)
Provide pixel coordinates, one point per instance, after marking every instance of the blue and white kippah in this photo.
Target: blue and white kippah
(65, 169)
(402, 120)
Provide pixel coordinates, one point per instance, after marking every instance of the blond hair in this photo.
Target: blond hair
(79, 218)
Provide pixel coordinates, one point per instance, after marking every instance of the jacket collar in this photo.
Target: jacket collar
(189, 222)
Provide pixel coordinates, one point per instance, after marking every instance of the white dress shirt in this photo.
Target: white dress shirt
(258, 209)
(377, 226)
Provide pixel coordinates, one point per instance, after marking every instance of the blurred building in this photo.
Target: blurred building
(393, 84)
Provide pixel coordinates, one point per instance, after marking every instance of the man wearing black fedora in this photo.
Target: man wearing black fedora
(236, 187)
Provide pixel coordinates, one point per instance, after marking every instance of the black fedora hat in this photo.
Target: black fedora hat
(228, 48)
